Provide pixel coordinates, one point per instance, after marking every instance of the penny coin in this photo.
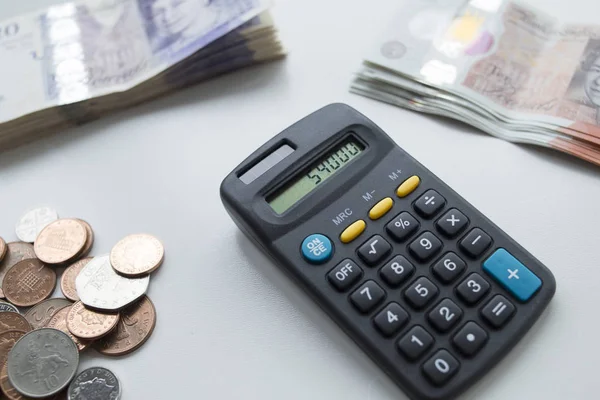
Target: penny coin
(67, 280)
(28, 283)
(134, 328)
(59, 321)
(7, 341)
(137, 255)
(60, 241)
(4, 307)
(10, 321)
(90, 238)
(16, 252)
(3, 249)
(42, 363)
(100, 287)
(33, 222)
(40, 315)
(95, 383)
(87, 324)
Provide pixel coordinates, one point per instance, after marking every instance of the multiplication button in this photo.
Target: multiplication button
(452, 223)
(344, 275)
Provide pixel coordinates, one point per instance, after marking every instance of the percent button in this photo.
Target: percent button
(402, 227)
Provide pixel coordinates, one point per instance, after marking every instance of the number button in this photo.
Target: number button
(425, 246)
(473, 288)
(397, 271)
(445, 315)
(498, 311)
(449, 267)
(470, 339)
(391, 319)
(402, 227)
(441, 367)
(344, 275)
(421, 293)
(367, 296)
(452, 223)
(415, 343)
(429, 204)
(374, 250)
(475, 243)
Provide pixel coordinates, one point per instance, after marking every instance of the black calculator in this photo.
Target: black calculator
(433, 291)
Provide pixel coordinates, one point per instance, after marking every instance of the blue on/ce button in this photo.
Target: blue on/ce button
(317, 248)
(512, 274)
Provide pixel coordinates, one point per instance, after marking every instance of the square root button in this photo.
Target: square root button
(512, 275)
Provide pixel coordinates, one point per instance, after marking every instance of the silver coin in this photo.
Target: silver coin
(95, 383)
(4, 307)
(33, 221)
(42, 363)
(99, 286)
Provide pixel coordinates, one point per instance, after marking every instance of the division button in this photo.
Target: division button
(353, 231)
(397, 271)
(512, 274)
(470, 339)
(408, 186)
(367, 296)
(425, 246)
(429, 204)
(473, 288)
(441, 367)
(415, 343)
(498, 311)
(402, 227)
(344, 275)
(391, 319)
(475, 243)
(317, 248)
(374, 250)
(381, 208)
(452, 223)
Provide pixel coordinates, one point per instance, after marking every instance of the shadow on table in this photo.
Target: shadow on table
(223, 86)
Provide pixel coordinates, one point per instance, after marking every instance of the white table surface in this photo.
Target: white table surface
(230, 324)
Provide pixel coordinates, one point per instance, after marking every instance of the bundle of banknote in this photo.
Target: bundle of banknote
(499, 65)
(75, 62)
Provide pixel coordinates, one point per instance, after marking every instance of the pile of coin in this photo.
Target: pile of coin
(105, 306)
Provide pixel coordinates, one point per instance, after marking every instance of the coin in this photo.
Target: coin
(87, 324)
(17, 251)
(134, 328)
(67, 280)
(59, 321)
(90, 238)
(10, 321)
(7, 341)
(28, 283)
(4, 307)
(60, 241)
(137, 255)
(3, 248)
(33, 221)
(100, 287)
(42, 363)
(40, 315)
(95, 383)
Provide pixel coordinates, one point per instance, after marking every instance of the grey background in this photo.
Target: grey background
(230, 325)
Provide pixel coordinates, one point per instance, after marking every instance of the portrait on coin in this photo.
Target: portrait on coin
(176, 23)
(584, 88)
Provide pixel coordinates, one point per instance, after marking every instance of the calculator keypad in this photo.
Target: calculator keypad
(374, 250)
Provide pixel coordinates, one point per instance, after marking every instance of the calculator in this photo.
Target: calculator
(426, 285)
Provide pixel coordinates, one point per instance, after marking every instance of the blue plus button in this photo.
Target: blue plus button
(317, 248)
(512, 274)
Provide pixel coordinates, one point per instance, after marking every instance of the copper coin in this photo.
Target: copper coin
(16, 252)
(59, 321)
(3, 249)
(67, 280)
(137, 255)
(60, 241)
(7, 342)
(87, 324)
(39, 315)
(134, 328)
(90, 238)
(10, 321)
(28, 283)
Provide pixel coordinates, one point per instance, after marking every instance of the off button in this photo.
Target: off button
(317, 248)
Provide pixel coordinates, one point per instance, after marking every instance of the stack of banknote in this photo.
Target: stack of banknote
(499, 65)
(75, 62)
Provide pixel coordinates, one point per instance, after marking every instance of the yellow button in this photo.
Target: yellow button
(381, 208)
(352, 232)
(408, 186)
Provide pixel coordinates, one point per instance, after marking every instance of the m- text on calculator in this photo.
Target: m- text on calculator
(423, 282)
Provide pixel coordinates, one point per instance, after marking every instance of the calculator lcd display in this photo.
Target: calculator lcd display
(317, 173)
